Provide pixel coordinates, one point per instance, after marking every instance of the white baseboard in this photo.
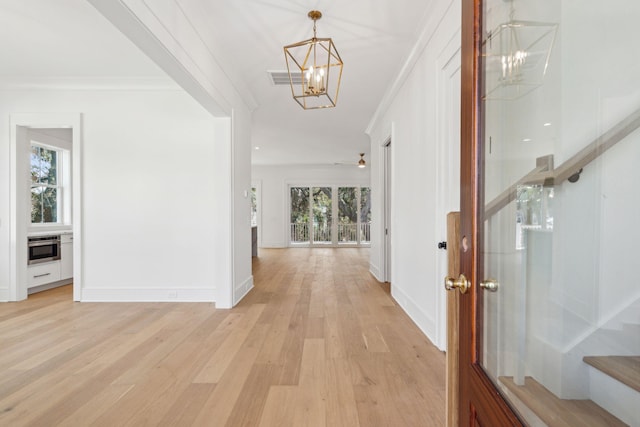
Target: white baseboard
(242, 290)
(373, 269)
(148, 295)
(272, 245)
(422, 320)
(4, 295)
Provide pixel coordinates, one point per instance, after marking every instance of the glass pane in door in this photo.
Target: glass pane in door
(347, 215)
(561, 107)
(365, 215)
(254, 207)
(321, 214)
(299, 225)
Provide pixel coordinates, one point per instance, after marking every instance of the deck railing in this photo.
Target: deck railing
(299, 232)
(347, 233)
(321, 233)
(365, 232)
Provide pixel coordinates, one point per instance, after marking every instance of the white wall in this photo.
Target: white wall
(147, 189)
(273, 182)
(162, 32)
(411, 109)
(241, 187)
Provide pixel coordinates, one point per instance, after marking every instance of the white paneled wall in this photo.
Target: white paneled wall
(411, 110)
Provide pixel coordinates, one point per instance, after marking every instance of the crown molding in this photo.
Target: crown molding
(88, 83)
(435, 14)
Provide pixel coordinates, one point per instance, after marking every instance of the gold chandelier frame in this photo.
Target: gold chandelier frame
(312, 66)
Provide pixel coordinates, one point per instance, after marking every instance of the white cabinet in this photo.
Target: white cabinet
(40, 274)
(66, 256)
(55, 271)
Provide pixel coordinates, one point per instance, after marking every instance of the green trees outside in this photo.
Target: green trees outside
(351, 203)
(44, 185)
(300, 198)
(299, 205)
(299, 214)
(365, 205)
(347, 205)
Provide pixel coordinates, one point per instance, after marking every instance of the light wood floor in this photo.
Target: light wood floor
(318, 342)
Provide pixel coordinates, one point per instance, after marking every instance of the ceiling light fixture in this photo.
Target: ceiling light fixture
(362, 163)
(318, 62)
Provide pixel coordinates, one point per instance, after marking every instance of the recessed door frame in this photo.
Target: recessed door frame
(387, 164)
(19, 189)
(447, 151)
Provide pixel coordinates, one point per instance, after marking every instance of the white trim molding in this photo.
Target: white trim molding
(241, 290)
(430, 26)
(149, 295)
(420, 317)
(19, 215)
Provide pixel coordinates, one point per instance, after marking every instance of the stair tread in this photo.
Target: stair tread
(556, 412)
(625, 369)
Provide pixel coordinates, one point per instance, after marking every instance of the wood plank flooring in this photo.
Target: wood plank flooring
(317, 342)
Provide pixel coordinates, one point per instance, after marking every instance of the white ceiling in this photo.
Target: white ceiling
(69, 41)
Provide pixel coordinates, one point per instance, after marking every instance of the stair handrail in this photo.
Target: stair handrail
(544, 172)
(538, 175)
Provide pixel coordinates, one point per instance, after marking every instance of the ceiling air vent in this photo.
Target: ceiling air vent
(279, 78)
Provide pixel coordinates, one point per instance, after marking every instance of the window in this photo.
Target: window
(46, 189)
(347, 215)
(365, 215)
(313, 210)
(254, 207)
(299, 214)
(322, 214)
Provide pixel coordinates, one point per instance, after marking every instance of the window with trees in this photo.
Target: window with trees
(254, 207)
(313, 210)
(45, 185)
(365, 215)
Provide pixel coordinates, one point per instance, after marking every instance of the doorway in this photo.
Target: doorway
(23, 127)
(338, 216)
(447, 168)
(387, 211)
(548, 302)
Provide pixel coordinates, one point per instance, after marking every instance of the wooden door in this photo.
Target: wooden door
(555, 237)
(480, 403)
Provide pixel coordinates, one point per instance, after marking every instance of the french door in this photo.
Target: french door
(549, 203)
(329, 215)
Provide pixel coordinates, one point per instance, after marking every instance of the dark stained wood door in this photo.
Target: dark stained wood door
(549, 142)
(480, 402)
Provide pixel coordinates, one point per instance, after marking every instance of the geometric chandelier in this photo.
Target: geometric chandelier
(315, 70)
(517, 55)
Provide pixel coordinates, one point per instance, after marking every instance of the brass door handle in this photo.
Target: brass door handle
(490, 285)
(462, 284)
